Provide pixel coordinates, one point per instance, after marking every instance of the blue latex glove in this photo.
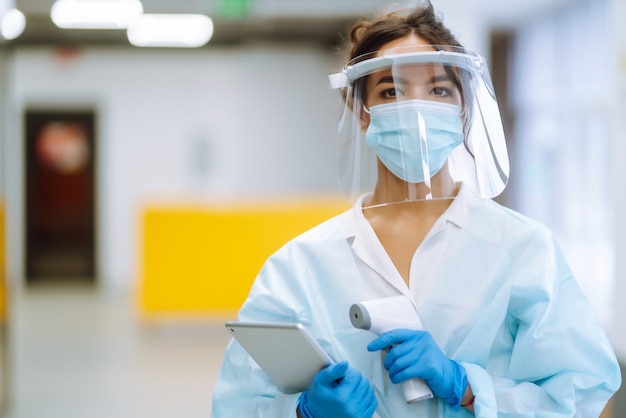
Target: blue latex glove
(338, 391)
(414, 354)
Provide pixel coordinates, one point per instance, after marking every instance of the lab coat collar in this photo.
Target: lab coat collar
(459, 210)
(366, 246)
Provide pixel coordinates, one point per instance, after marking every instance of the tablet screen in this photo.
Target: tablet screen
(285, 351)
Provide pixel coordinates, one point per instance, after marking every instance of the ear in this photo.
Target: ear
(364, 118)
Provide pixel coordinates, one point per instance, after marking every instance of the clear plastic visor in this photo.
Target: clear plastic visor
(419, 125)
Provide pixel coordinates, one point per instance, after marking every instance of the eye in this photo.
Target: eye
(441, 92)
(391, 93)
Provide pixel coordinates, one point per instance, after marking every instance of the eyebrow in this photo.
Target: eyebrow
(391, 79)
(400, 80)
(441, 77)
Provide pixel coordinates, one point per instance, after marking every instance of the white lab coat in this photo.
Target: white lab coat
(490, 285)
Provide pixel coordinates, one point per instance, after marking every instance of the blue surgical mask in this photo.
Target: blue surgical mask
(412, 137)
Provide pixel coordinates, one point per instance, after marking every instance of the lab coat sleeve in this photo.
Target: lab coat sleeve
(562, 364)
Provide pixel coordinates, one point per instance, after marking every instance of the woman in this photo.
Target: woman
(507, 331)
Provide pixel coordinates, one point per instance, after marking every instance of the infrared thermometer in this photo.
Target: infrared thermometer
(386, 314)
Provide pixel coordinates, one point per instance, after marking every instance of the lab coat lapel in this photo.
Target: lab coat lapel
(367, 247)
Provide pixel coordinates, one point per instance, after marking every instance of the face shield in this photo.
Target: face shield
(418, 124)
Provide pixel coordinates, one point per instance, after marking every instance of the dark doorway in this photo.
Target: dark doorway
(501, 49)
(60, 195)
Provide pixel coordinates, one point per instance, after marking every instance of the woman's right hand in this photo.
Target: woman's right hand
(338, 391)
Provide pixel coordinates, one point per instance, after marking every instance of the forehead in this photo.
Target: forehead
(406, 44)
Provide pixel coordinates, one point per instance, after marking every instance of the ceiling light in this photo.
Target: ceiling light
(170, 30)
(12, 24)
(95, 14)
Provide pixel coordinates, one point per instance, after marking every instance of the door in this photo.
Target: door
(60, 195)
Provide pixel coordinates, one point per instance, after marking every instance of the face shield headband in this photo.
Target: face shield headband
(410, 138)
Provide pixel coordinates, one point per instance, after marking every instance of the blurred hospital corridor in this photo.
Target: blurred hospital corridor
(76, 353)
(142, 187)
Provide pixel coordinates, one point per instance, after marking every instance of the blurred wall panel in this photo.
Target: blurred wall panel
(4, 294)
(3, 304)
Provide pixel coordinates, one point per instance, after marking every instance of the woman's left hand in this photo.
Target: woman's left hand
(415, 354)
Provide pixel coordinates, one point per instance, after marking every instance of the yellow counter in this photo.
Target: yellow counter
(3, 293)
(201, 260)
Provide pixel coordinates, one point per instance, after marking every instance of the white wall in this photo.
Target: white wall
(177, 125)
(618, 169)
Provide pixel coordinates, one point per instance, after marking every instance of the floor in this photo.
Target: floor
(77, 353)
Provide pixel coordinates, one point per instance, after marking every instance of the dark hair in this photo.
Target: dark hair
(369, 36)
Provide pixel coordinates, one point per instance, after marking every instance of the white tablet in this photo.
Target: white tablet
(285, 351)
